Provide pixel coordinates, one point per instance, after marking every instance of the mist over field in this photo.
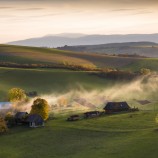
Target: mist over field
(144, 88)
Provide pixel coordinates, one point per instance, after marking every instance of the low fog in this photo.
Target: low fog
(140, 89)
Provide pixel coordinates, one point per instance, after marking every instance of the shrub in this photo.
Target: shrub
(3, 126)
(10, 120)
(145, 71)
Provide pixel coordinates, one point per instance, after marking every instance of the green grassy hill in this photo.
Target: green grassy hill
(116, 136)
(33, 55)
(46, 81)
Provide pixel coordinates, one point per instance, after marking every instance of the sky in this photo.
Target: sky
(22, 19)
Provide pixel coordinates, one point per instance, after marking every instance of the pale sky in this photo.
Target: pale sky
(21, 19)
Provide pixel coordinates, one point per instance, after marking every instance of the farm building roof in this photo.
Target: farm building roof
(143, 102)
(116, 105)
(20, 115)
(5, 105)
(84, 102)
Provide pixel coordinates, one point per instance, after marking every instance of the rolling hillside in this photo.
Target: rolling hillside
(33, 55)
(148, 49)
(47, 81)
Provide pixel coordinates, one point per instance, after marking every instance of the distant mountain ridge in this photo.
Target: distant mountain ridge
(68, 35)
(60, 40)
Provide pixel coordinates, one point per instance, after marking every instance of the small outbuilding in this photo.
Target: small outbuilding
(112, 107)
(35, 120)
(32, 94)
(73, 118)
(91, 114)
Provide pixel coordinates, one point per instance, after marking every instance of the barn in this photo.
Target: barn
(35, 120)
(111, 107)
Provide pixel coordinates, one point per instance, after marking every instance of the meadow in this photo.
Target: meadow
(46, 81)
(114, 136)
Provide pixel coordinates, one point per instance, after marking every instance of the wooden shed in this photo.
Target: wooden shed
(91, 114)
(73, 118)
(35, 120)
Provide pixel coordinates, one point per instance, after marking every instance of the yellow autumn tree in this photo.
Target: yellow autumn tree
(16, 94)
(3, 126)
(145, 71)
(40, 107)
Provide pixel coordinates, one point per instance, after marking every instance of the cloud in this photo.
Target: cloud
(85, 1)
(6, 7)
(123, 10)
(7, 16)
(115, 5)
(45, 15)
(142, 12)
(31, 9)
(135, 11)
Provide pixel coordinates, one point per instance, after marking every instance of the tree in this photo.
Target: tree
(40, 107)
(16, 94)
(3, 126)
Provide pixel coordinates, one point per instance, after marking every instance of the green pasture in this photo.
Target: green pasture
(132, 135)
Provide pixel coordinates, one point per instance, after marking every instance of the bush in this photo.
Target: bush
(145, 71)
(10, 120)
(3, 126)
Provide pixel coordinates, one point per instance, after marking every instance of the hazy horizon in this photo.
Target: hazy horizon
(21, 19)
(80, 35)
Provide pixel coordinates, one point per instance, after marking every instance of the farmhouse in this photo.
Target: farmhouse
(35, 120)
(116, 107)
